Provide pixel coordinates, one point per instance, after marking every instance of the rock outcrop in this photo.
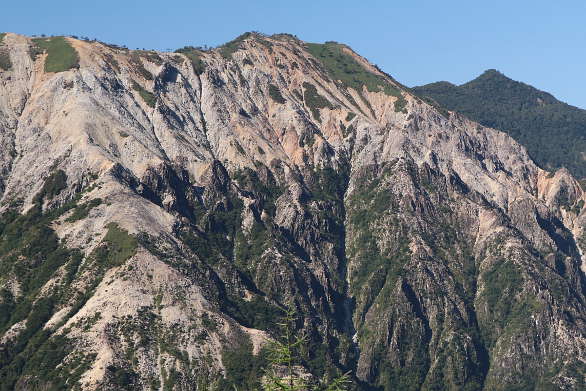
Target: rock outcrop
(161, 209)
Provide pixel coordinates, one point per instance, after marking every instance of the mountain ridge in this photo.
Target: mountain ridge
(191, 197)
(554, 132)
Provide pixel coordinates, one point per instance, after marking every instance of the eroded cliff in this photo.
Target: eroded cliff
(161, 209)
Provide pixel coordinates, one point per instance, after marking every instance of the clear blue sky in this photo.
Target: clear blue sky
(538, 42)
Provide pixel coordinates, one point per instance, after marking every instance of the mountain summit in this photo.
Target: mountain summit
(553, 132)
(161, 211)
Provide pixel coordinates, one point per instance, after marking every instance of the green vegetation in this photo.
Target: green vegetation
(5, 62)
(214, 238)
(61, 56)
(298, 95)
(257, 313)
(328, 184)
(136, 61)
(288, 350)
(117, 246)
(400, 105)
(314, 100)
(273, 369)
(194, 55)
(249, 248)
(286, 37)
(552, 131)
(267, 191)
(366, 205)
(344, 68)
(350, 116)
(30, 236)
(148, 97)
(31, 252)
(112, 62)
(123, 378)
(501, 285)
(229, 48)
(42, 364)
(242, 368)
(54, 184)
(578, 207)
(275, 94)
(218, 237)
(82, 211)
(150, 55)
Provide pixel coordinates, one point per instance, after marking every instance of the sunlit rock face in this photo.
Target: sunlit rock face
(162, 209)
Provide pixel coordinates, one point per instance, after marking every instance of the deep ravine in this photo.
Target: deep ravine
(160, 211)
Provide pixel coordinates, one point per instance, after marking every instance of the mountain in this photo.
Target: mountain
(161, 211)
(553, 132)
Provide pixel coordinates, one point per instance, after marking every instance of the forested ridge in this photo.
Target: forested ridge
(553, 132)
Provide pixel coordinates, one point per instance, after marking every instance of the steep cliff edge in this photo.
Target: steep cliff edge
(161, 209)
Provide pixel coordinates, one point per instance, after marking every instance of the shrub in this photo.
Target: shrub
(243, 368)
(244, 113)
(123, 378)
(55, 183)
(256, 313)
(314, 100)
(5, 62)
(194, 56)
(504, 277)
(365, 206)
(298, 95)
(136, 61)
(61, 56)
(275, 94)
(148, 97)
(216, 239)
(329, 185)
(117, 246)
(229, 48)
(112, 62)
(31, 251)
(150, 55)
(401, 105)
(82, 211)
(265, 190)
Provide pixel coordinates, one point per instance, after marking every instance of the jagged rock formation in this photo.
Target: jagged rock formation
(161, 209)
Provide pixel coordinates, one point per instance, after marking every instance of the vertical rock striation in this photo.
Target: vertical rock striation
(160, 210)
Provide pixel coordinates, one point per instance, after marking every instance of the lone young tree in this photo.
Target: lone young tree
(284, 353)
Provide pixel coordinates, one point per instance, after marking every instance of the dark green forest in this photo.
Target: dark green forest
(553, 132)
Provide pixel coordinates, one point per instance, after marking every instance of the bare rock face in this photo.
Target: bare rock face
(159, 210)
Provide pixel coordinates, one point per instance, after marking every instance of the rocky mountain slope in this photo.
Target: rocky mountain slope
(160, 210)
(553, 132)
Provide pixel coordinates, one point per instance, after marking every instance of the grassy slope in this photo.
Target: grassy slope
(342, 67)
(61, 56)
